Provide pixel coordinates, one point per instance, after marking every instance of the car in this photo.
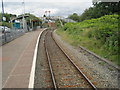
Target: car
(7, 29)
(1, 28)
(4, 29)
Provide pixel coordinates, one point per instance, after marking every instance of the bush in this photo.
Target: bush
(5, 24)
(104, 31)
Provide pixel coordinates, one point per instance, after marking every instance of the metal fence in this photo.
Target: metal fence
(11, 35)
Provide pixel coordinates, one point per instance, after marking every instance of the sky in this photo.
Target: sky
(38, 7)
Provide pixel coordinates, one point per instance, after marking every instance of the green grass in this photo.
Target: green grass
(97, 35)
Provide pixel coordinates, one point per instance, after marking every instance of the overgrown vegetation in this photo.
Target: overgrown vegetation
(98, 35)
(8, 18)
(59, 22)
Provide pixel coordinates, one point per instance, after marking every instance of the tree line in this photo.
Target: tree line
(99, 9)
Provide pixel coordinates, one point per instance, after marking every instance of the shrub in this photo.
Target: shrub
(104, 30)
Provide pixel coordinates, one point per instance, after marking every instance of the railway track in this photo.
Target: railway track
(64, 72)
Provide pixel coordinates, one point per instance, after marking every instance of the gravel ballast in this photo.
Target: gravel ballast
(66, 75)
(99, 72)
(42, 72)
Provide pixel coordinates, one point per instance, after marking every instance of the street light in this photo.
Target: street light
(47, 12)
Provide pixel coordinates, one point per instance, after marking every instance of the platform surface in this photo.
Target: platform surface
(17, 58)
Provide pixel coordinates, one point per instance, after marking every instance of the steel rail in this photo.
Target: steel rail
(91, 84)
(50, 65)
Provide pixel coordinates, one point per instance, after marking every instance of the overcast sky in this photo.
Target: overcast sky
(38, 7)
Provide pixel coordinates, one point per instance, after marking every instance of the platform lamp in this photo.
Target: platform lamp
(46, 13)
(49, 14)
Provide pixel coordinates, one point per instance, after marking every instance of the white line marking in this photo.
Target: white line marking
(32, 74)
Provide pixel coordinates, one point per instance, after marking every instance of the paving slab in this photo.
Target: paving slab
(17, 58)
(17, 81)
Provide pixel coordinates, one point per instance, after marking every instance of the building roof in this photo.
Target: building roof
(19, 17)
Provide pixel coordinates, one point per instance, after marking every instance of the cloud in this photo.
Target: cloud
(48, 0)
(39, 8)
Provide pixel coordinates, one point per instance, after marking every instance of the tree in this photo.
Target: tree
(44, 15)
(74, 17)
(8, 16)
(107, 7)
(0, 17)
(100, 9)
(36, 21)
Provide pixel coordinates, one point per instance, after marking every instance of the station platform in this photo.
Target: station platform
(17, 59)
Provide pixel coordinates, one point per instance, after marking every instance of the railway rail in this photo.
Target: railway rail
(64, 72)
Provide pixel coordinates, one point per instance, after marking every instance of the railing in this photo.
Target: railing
(10, 35)
(13, 34)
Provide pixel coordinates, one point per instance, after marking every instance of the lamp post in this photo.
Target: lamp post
(2, 11)
(49, 14)
(23, 14)
(46, 13)
(3, 20)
